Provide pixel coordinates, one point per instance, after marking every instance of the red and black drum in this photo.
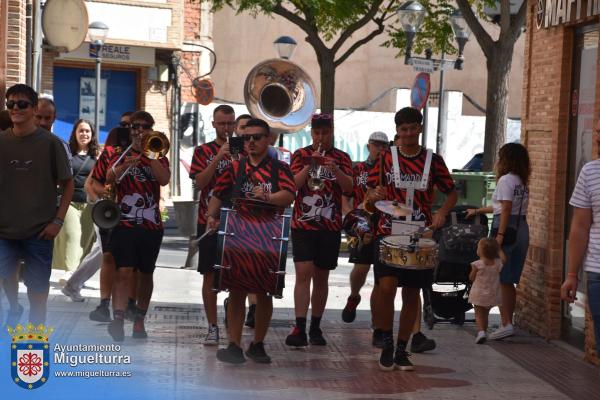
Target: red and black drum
(252, 248)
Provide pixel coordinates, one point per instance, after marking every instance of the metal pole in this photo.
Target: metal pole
(425, 123)
(36, 67)
(438, 140)
(97, 97)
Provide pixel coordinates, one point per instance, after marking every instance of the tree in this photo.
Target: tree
(329, 25)
(437, 35)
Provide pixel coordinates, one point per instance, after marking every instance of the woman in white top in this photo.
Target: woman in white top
(509, 226)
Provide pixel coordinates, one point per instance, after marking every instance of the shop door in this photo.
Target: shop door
(583, 97)
(74, 91)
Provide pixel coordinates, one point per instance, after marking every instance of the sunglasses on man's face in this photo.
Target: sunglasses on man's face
(256, 137)
(124, 124)
(141, 126)
(21, 104)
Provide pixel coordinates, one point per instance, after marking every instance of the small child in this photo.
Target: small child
(485, 275)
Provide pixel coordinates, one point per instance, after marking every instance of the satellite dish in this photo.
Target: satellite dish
(65, 23)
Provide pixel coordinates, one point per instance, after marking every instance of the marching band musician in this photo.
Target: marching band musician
(136, 241)
(272, 182)
(362, 256)
(316, 225)
(210, 161)
(412, 173)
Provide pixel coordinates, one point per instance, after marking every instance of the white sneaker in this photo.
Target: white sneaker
(212, 337)
(481, 337)
(72, 293)
(503, 332)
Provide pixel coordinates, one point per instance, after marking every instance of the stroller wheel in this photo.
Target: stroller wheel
(459, 319)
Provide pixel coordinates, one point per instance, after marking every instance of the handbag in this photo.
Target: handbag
(510, 233)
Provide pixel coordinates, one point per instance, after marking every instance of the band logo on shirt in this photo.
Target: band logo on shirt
(315, 207)
(136, 209)
(248, 187)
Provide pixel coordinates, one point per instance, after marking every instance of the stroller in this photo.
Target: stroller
(446, 300)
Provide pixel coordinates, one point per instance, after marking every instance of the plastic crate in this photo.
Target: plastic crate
(474, 188)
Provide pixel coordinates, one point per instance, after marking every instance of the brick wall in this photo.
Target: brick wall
(3, 32)
(190, 59)
(546, 105)
(16, 43)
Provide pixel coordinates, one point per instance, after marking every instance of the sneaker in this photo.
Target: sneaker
(386, 359)
(100, 314)
(233, 354)
(401, 360)
(297, 338)
(14, 316)
(139, 330)
(116, 330)
(316, 337)
(256, 352)
(131, 311)
(378, 338)
(481, 337)
(503, 332)
(250, 316)
(65, 279)
(212, 337)
(349, 312)
(68, 291)
(225, 303)
(421, 343)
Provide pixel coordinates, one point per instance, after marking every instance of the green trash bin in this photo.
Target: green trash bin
(474, 188)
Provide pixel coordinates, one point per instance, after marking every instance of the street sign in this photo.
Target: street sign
(420, 91)
(446, 65)
(421, 65)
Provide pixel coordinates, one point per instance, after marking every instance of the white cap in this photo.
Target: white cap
(379, 137)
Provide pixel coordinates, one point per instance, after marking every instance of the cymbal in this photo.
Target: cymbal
(393, 208)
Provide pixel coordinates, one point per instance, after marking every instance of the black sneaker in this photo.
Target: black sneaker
(297, 338)
(386, 359)
(131, 311)
(378, 338)
(250, 316)
(349, 312)
(401, 360)
(316, 337)
(256, 352)
(232, 354)
(139, 330)
(100, 314)
(116, 330)
(421, 343)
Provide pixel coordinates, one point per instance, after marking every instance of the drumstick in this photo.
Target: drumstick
(381, 162)
(205, 234)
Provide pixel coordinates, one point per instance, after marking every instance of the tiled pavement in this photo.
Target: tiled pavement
(173, 364)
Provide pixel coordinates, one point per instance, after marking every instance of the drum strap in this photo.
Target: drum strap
(242, 176)
(411, 186)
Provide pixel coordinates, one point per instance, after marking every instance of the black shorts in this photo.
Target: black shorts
(363, 256)
(136, 247)
(207, 250)
(320, 247)
(410, 278)
(105, 235)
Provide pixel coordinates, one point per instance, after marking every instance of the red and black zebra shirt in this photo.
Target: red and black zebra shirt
(411, 169)
(138, 194)
(262, 174)
(322, 209)
(360, 173)
(204, 155)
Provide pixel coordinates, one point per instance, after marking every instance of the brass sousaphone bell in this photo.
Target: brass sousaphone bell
(281, 93)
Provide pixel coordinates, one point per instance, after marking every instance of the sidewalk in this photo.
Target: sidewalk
(173, 364)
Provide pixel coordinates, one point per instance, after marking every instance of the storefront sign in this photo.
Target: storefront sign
(113, 53)
(87, 99)
(555, 12)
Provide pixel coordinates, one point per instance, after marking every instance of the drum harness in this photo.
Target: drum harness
(410, 187)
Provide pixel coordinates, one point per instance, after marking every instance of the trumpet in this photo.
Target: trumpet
(315, 182)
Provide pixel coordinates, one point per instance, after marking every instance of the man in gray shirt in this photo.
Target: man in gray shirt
(32, 163)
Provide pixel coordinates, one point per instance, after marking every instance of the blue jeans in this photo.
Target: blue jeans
(37, 254)
(593, 295)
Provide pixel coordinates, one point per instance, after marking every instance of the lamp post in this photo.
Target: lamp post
(411, 15)
(285, 46)
(97, 31)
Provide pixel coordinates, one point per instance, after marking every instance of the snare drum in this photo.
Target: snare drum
(252, 248)
(398, 251)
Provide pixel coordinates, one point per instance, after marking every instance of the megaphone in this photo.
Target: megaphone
(106, 214)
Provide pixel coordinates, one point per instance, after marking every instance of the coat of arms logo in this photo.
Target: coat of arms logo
(30, 355)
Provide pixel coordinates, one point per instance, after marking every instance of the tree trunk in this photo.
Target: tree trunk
(498, 67)
(327, 68)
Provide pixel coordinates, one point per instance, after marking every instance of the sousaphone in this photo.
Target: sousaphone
(281, 93)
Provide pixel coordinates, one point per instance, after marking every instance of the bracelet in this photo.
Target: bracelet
(58, 221)
(573, 275)
(500, 234)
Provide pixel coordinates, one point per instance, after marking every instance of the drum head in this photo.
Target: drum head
(404, 240)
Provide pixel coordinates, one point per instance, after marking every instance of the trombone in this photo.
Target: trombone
(154, 146)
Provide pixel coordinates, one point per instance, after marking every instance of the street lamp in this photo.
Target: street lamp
(461, 35)
(411, 15)
(285, 46)
(97, 31)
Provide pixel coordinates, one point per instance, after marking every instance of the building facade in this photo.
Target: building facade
(561, 102)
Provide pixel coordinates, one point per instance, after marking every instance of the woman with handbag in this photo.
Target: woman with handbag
(509, 226)
(77, 235)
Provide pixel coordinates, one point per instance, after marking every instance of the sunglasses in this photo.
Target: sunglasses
(256, 137)
(141, 126)
(124, 124)
(21, 104)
